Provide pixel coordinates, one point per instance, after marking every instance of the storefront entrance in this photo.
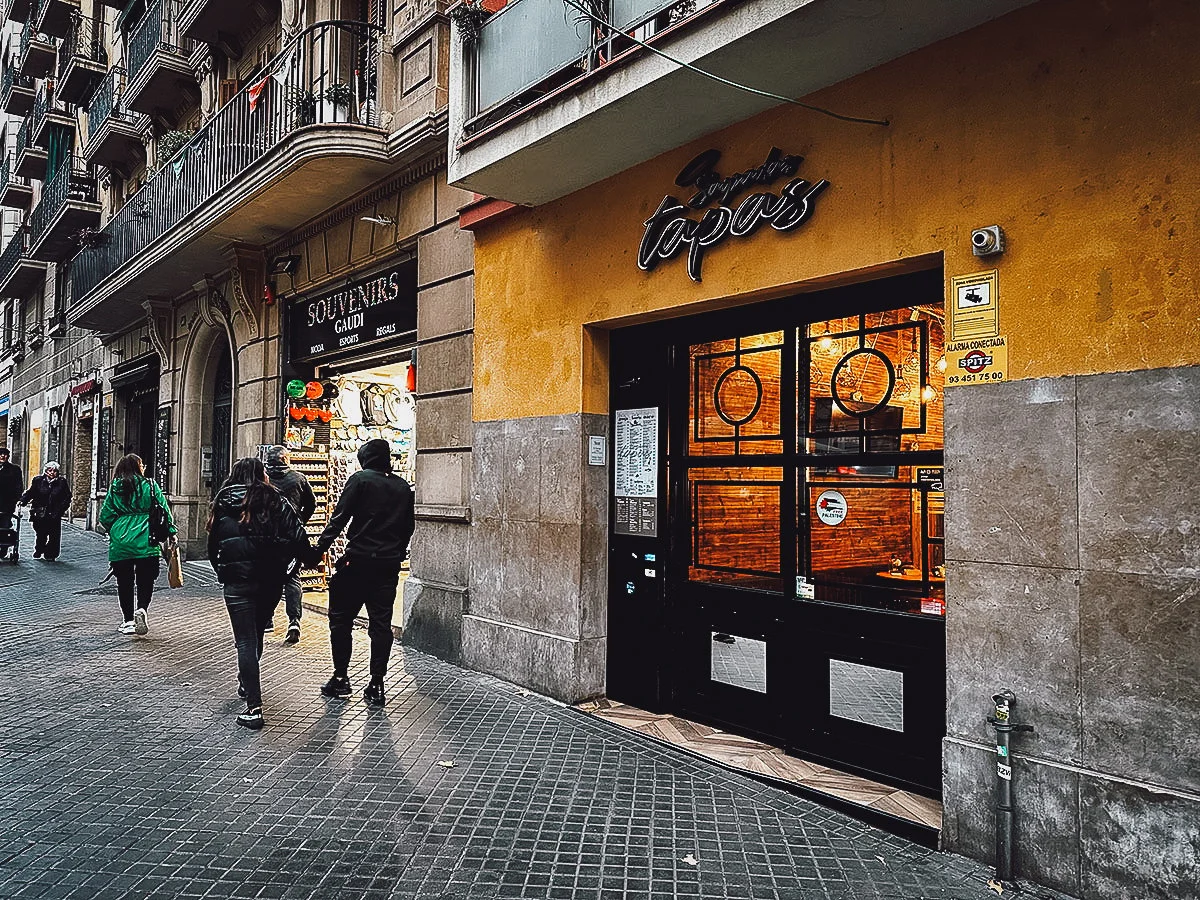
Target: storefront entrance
(793, 566)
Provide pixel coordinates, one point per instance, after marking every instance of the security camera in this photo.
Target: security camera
(987, 241)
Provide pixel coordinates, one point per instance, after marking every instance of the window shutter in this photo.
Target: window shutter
(228, 89)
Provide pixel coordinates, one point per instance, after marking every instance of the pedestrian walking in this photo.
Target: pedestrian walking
(253, 533)
(295, 490)
(10, 485)
(378, 505)
(132, 552)
(49, 498)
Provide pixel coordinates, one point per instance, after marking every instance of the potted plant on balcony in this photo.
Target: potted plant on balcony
(468, 16)
(337, 98)
(303, 104)
(170, 143)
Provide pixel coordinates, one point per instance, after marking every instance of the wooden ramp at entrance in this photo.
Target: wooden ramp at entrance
(757, 758)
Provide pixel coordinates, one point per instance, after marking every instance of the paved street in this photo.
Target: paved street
(124, 776)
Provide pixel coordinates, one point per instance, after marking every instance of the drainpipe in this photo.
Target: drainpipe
(1002, 722)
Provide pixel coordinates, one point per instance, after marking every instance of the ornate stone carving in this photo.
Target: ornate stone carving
(245, 270)
(158, 325)
(211, 305)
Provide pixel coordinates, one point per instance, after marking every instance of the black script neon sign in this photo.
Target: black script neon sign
(671, 228)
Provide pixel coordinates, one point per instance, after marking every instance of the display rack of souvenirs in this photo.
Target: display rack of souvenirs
(314, 465)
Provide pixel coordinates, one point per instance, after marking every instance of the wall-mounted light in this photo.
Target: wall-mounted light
(283, 265)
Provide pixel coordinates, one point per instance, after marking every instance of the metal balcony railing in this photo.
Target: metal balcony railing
(8, 174)
(530, 42)
(75, 181)
(17, 249)
(325, 74)
(12, 78)
(45, 103)
(158, 28)
(84, 41)
(23, 135)
(106, 105)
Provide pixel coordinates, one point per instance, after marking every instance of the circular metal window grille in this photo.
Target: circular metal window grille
(849, 397)
(734, 388)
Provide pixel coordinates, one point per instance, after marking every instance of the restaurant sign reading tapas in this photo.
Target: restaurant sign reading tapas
(673, 228)
(356, 314)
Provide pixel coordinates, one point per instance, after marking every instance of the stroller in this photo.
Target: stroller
(10, 537)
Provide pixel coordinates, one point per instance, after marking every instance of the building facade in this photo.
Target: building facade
(189, 181)
(827, 430)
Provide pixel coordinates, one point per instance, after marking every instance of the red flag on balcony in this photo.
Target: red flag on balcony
(254, 92)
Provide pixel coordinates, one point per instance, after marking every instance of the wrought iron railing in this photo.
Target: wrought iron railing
(45, 103)
(325, 74)
(23, 135)
(17, 249)
(8, 174)
(84, 41)
(12, 78)
(74, 181)
(556, 38)
(159, 28)
(29, 32)
(106, 103)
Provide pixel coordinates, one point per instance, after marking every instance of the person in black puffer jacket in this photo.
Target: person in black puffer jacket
(253, 534)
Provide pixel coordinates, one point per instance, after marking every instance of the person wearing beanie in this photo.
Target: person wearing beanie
(378, 506)
(50, 498)
(295, 490)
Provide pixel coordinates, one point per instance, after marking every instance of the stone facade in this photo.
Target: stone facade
(1075, 587)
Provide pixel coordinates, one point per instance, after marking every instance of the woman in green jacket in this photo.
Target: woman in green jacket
(135, 560)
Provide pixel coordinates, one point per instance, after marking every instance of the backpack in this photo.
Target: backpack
(160, 530)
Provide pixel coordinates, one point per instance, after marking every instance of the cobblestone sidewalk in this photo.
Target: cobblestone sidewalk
(124, 776)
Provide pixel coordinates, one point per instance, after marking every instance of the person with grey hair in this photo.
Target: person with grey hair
(49, 497)
(296, 491)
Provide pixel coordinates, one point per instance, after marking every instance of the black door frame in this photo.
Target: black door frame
(650, 367)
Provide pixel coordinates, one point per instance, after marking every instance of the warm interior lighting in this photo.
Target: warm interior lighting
(941, 363)
(928, 393)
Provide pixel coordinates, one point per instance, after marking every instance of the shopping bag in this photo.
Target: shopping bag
(174, 568)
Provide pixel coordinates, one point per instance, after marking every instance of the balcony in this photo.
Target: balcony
(15, 191)
(17, 10)
(50, 114)
(20, 275)
(249, 174)
(54, 16)
(543, 105)
(82, 59)
(36, 56)
(68, 207)
(222, 22)
(31, 159)
(114, 138)
(16, 91)
(160, 74)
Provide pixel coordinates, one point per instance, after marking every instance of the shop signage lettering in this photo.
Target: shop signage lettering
(672, 227)
(357, 313)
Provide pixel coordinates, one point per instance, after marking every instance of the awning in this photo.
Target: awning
(86, 387)
(135, 371)
(4, 404)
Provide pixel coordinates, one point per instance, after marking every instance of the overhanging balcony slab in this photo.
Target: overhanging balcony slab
(57, 242)
(640, 105)
(41, 128)
(218, 22)
(31, 163)
(26, 275)
(311, 171)
(19, 10)
(79, 76)
(19, 99)
(38, 59)
(161, 84)
(116, 144)
(16, 194)
(55, 16)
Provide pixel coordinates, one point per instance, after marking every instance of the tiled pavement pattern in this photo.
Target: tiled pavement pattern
(866, 694)
(739, 661)
(750, 755)
(124, 777)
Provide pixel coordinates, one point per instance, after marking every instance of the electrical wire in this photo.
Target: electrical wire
(733, 84)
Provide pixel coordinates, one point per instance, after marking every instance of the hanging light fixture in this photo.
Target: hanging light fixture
(929, 394)
(941, 363)
(828, 343)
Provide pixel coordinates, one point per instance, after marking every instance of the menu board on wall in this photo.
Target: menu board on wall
(635, 461)
(162, 447)
(104, 449)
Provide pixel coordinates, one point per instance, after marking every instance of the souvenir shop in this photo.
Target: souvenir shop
(351, 376)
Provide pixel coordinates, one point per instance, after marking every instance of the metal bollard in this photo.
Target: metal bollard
(1004, 725)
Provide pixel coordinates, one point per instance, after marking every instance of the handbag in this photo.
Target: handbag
(174, 568)
(160, 529)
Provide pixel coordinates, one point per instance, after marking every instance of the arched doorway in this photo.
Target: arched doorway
(221, 436)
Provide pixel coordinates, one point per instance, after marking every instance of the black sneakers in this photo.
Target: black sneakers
(293, 634)
(251, 718)
(373, 693)
(337, 686)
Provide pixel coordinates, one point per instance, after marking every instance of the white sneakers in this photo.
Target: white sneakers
(126, 628)
(139, 622)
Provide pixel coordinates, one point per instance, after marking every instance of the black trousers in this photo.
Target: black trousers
(250, 608)
(355, 584)
(49, 536)
(139, 573)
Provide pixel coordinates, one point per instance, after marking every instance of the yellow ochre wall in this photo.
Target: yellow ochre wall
(1072, 124)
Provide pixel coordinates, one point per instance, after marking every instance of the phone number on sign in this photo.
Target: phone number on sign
(970, 378)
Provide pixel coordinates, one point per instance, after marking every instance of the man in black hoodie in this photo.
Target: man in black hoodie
(296, 491)
(378, 504)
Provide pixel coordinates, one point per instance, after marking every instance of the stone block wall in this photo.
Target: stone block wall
(538, 562)
(1073, 543)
